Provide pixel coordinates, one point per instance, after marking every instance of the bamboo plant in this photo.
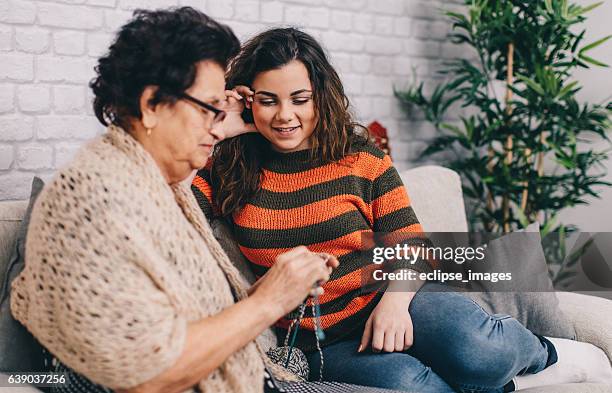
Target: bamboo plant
(525, 156)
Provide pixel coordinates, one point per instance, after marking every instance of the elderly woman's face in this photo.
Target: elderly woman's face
(185, 133)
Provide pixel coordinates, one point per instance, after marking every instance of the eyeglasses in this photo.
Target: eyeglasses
(219, 114)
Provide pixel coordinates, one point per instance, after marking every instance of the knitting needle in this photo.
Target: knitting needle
(317, 314)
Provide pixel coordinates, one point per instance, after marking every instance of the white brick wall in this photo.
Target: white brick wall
(48, 49)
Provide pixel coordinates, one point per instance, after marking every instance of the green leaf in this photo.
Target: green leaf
(522, 217)
(577, 40)
(457, 38)
(456, 15)
(548, 226)
(567, 89)
(573, 257)
(593, 45)
(582, 10)
(549, 8)
(593, 61)
(452, 128)
(532, 84)
(438, 144)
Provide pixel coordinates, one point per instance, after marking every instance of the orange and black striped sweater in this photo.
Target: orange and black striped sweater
(328, 208)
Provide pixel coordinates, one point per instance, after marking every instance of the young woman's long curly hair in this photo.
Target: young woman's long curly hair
(237, 162)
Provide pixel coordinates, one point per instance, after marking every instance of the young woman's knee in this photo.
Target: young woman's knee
(479, 358)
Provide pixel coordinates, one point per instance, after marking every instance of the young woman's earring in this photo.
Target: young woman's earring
(149, 131)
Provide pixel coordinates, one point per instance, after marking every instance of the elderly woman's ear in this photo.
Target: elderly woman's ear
(148, 110)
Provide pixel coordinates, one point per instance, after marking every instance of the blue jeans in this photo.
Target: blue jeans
(457, 347)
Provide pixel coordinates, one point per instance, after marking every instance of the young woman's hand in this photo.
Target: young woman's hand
(292, 278)
(389, 326)
(246, 93)
(233, 124)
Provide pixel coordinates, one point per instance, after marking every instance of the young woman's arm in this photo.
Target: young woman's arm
(389, 327)
(203, 192)
(232, 126)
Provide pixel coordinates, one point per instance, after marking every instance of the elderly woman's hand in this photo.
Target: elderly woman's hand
(292, 278)
(233, 124)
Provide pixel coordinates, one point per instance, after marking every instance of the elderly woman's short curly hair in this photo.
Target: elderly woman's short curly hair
(159, 48)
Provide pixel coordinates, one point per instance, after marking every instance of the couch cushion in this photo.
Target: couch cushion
(436, 197)
(571, 388)
(11, 214)
(592, 318)
(19, 351)
(529, 296)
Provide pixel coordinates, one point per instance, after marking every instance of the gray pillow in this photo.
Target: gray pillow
(19, 350)
(529, 297)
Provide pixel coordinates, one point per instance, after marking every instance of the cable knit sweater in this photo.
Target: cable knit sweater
(118, 263)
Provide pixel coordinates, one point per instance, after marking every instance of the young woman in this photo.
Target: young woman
(307, 177)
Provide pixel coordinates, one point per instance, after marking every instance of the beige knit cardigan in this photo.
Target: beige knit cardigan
(118, 263)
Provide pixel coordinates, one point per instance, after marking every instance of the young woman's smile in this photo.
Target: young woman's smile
(286, 131)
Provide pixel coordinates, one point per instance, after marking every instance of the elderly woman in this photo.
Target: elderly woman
(124, 282)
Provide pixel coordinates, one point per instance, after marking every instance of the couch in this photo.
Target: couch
(437, 199)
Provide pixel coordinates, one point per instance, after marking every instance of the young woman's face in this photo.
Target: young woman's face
(283, 107)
